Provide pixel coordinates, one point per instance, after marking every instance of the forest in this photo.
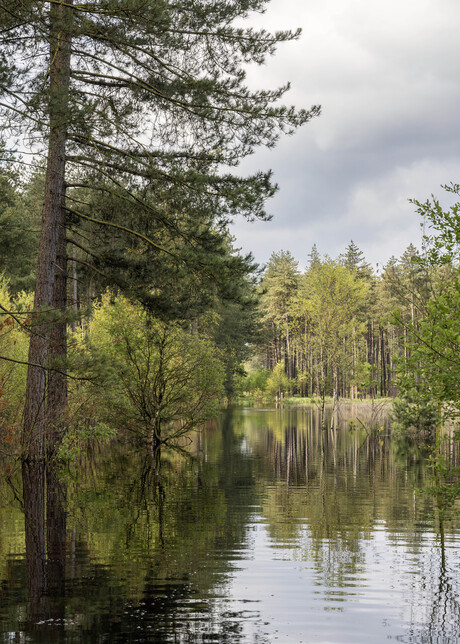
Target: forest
(124, 302)
(122, 127)
(343, 329)
(168, 406)
(157, 362)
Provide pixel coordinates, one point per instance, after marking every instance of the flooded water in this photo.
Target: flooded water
(266, 530)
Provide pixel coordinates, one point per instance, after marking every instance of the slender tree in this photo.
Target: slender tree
(280, 283)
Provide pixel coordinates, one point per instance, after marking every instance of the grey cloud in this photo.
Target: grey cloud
(387, 77)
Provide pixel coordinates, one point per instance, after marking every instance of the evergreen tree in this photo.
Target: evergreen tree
(354, 259)
(353, 256)
(314, 258)
(19, 229)
(126, 97)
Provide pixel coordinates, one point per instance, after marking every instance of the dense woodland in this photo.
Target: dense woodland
(341, 328)
(130, 117)
(128, 317)
(344, 329)
(124, 305)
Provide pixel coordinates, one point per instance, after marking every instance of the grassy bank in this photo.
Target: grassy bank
(299, 401)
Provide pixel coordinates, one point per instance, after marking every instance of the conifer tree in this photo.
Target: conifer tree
(129, 98)
(314, 258)
(353, 256)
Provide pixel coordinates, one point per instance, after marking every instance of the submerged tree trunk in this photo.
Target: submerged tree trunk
(45, 541)
(52, 219)
(56, 527)
(33, 482)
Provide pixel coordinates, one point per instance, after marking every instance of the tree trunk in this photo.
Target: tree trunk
(56, 402)
(52, 218)
(288, 350)
(74, 295)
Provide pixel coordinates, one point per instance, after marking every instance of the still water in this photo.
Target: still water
(265, 529)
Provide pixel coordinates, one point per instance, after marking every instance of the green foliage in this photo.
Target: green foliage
(432, 359)
(278, 383)
(161, 381)
(79, 438)
(19, 223)
(362, 376)
(445, 478)
(333, 296)
(155, 114)
(434, 345)
(139, 111)
(415, 412)
(429, 377)
(280, 282)
(443, 246)
(302, 380)
(14, 342)
(254, 383)
(234, 330)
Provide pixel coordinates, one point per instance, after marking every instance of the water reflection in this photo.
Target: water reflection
(45, 543)
(267, 527)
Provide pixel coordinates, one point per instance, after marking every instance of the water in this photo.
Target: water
(269, 530)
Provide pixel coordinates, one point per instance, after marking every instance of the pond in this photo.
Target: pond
(265, 529)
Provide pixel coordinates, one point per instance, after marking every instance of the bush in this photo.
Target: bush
(415, 414)
(278, 382)
(158, 380)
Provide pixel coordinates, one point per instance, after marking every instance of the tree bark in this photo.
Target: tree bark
(56, 402)
(52, 219)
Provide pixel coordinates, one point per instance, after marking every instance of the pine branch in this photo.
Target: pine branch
(130, 231)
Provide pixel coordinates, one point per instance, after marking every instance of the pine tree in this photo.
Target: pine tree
(128, 98)
(314, 258)
(353, 256)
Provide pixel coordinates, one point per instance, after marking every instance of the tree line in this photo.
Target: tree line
(339, 329)
(344, 329)
(331, 327)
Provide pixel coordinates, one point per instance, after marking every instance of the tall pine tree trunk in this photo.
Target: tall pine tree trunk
(56, 402)
(59, 77)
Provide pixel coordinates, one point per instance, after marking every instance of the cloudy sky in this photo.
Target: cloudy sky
(387, 75)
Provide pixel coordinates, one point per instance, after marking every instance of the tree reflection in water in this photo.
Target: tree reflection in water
(158, 545)
(45, 544)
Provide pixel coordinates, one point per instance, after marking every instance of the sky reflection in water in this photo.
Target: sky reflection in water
(281, 533)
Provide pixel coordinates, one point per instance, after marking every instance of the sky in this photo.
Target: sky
(387, 75)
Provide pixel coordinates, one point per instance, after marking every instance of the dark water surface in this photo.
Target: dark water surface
(269, 531)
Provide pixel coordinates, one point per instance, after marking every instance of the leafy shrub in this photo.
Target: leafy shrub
(158, 380)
